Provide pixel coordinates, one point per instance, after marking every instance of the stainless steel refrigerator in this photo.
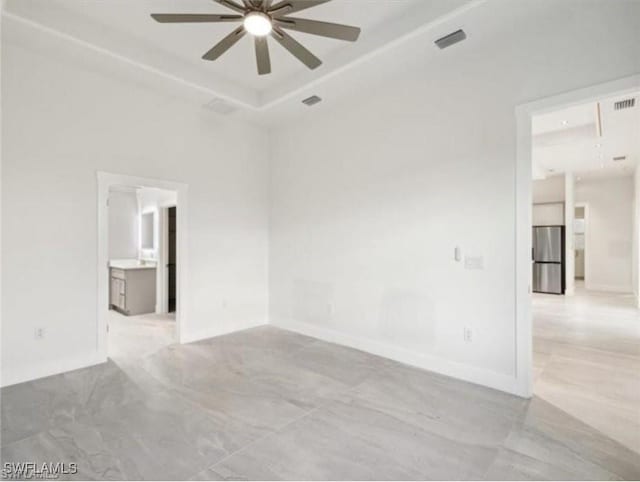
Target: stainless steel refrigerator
(548, 259)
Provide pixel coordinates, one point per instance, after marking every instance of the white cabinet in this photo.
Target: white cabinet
(133, 291)
(548, 214)
(117, 293)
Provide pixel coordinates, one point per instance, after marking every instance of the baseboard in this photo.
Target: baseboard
(487, 378)
(214, 331)
(48, 368)
(609, 288)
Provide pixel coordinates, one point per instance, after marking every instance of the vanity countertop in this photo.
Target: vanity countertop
(131, 264)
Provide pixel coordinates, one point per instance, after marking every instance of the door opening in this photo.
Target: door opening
(139, 324)
(580, 242)
(171, 259)
(543, 155)
(143, 277)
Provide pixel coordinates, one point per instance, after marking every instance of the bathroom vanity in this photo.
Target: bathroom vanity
(132, 286)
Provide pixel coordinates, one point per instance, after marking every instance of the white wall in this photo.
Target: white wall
(569, 251)
(609, 236)
(635, 236)
(549, 190)
(124, 225)
(72, 113)
(369, 198)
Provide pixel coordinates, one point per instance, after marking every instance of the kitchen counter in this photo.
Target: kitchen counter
(131, 264)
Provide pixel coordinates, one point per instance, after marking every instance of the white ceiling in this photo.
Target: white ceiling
(124, 27)
(397, 39)
(568, 140)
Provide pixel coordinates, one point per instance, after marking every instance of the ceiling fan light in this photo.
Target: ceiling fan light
(258, 23)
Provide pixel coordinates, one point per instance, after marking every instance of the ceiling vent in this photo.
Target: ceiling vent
(619, 158)
(220, 106)
(624, 104)
(313, 100)
(452, 38)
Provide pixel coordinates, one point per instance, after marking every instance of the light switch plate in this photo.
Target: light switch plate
(473, 262)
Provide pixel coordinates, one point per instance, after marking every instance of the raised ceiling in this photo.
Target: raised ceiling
(124, 27)
(585, 139)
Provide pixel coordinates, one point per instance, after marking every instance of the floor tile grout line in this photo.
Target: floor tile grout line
(279, 429)
(272, 431)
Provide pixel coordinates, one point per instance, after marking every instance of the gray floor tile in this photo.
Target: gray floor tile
(510, 465)
(346, 365)
(68, 443)
(30, 408)
(351, 441)
(265, 403)
(576, 445)
(456, 410)
(167, 437)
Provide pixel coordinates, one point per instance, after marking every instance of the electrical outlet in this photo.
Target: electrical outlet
(468, 334)
(38, 333)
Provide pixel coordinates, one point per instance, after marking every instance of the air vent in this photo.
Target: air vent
(452, 38)
(619, 158)
(624, 104)
(220, 106)
(313, 100)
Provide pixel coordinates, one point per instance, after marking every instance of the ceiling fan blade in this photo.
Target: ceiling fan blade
(286, 7)
(297, 49)
(232, 5)
(225, 44)
(324, 29)
(262, 55)
(193, 17)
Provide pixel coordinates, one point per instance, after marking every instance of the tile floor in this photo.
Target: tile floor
(587, 360)
(271, 404)
(134, 337)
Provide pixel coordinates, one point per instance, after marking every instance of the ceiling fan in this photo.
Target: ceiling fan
(261, 18)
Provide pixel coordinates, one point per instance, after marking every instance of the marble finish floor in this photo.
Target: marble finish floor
(587, 360)
(270, 404)
(135, 337)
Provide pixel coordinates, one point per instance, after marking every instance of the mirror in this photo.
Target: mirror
(146, 231)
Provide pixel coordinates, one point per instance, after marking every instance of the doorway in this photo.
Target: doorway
(171, 261)
(580, 242)
(524, 379)
(575, 350)
(136, 292)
